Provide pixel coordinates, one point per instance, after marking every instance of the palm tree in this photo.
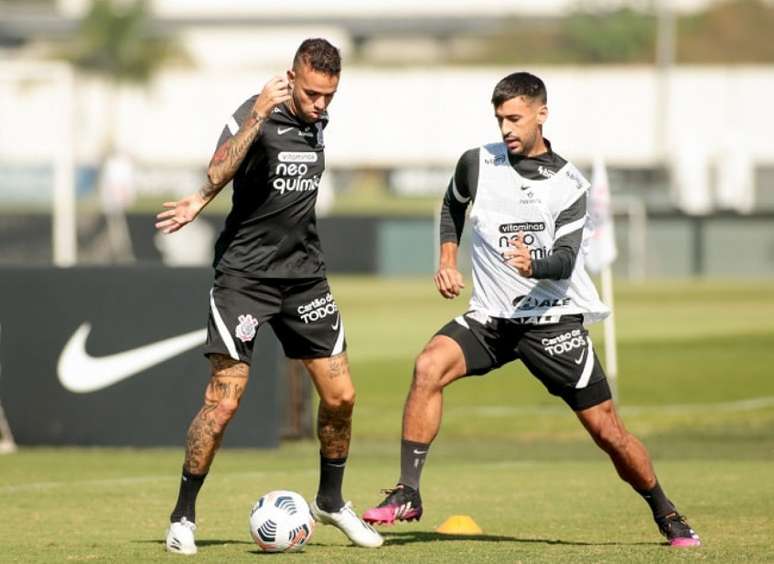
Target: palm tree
(119, 42)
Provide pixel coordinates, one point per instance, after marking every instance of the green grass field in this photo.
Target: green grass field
(696, 385)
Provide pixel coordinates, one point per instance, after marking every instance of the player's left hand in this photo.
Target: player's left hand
(180, 213)
(519, 257)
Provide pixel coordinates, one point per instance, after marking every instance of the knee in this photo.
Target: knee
(427, 373)
(340, 402)
(225, 410)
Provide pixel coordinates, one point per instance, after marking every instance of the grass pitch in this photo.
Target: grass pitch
(696, 385)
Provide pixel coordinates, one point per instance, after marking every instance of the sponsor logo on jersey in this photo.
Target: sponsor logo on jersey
(297, 157)
(301, 133)
(506, 242)
(530, 199)
(545, 172)
(291, 178)
(245, 331)
(496, 160)
(564, 343)
(523, 226)
(318, 308)
(524, 303)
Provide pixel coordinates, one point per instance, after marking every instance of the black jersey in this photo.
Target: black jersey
(271, 231)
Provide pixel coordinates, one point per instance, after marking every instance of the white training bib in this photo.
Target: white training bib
(507, 203)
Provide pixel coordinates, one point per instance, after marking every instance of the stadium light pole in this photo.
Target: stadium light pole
(64, 233)
(665, 60)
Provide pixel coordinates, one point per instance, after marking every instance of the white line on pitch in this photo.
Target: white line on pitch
(36, 486)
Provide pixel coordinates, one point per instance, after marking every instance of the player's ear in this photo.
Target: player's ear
(542, 115)
(291, 76)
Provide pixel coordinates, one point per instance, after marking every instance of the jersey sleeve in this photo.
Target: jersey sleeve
(460, 192)
(568, 235)
(235, 120)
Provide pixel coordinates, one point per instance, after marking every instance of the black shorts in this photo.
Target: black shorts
(560, 354)
(302, 313)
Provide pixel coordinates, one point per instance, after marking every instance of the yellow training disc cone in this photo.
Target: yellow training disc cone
(459, 525)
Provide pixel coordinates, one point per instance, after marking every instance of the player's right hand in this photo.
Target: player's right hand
(276, 91)
(180, 213)
(449, 282)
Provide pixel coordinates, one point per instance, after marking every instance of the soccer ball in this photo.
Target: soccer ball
(281, 521)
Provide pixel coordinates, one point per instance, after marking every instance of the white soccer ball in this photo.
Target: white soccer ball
(281, 521)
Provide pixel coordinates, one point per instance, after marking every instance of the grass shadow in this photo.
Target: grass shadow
(410, 537)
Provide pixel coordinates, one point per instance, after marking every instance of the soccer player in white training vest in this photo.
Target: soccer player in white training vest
(531, 297)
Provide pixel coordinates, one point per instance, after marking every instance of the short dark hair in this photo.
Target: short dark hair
(519, 84)
(320, 55)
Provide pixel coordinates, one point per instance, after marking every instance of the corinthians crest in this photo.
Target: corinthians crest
(245, 331)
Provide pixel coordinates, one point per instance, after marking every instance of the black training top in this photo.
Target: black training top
(271, 231)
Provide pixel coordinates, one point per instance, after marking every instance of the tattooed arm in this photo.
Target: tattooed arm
(226, 161)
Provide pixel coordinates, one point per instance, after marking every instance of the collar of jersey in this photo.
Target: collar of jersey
(285, 117)
(527, 167)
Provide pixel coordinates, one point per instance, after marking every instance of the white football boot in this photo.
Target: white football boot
(180, 537)
(347, 521)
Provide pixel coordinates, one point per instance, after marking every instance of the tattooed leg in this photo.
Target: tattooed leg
(337, 398)
(221, 401)
(334, 426)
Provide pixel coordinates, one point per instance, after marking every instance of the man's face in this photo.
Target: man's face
(312, 91)
(520, 119)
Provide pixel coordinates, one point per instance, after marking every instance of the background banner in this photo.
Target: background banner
(112, 356)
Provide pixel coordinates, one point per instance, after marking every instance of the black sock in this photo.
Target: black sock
(186, 499)
(658, 501)
(412, 460)
(331, 476)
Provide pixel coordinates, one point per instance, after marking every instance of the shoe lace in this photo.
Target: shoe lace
(394, 495)
(676, 523)
(188, 524)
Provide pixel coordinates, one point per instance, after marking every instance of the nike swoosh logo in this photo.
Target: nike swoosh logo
(283, 130)
(580, 358)
(81, 373)
(525, 187)
(335, 326)
(420, 451)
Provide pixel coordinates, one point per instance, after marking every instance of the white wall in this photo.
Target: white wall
(412, 116)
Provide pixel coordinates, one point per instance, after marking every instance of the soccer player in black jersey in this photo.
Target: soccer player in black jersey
(531, 297)
(269, 268)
